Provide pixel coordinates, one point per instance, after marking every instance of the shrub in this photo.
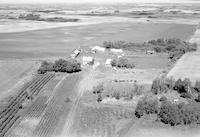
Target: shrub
(176, 114)
(162, 84)
(157, 49)
(183, 86)
(122, 63)
(146, 106)
(170, 113)
(98, 89)
(163, 98)
(197, 86)
(99, 99)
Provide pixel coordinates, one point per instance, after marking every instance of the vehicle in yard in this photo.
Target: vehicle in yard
(87, 60)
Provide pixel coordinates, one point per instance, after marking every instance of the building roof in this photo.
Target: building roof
(98, 48)
(77, 51)
(108, 61)
(88, 59)
(116, 50)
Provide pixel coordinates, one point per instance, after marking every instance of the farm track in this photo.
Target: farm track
(11, 113)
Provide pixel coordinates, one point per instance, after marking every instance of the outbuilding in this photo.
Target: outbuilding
(88, 60)
(75, 53)
(116, 50)
(150, 52)
(98, 48)
(108, 62)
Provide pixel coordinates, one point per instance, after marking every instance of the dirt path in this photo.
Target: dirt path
(85, 84)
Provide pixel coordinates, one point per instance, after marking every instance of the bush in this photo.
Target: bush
(197, 86)
(162, 84)
(163, 98)
(98, 89)
(60, 65)
(176, 114)
(122, 63)
(170, 114)
(99, 99)
(114, 44)
(182, 86)
(146, 106)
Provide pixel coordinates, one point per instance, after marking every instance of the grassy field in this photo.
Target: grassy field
(101, 121)
(145, 127)
(61, 41)
(14, 73)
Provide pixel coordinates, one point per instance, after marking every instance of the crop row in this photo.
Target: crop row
(101, 121)
(36, 109)
(49, 120)
(10, 113)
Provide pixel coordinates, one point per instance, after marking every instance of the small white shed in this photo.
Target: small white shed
(108, 62)
(116, 50)
(98, 48)
(150, 52)
(88, 60)
(75, 53)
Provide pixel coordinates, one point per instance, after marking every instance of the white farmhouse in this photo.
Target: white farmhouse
(88, 60)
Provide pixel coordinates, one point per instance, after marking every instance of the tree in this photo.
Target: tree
(170, 113)
(60, 65)
(99, 99)
(146, 106)
(197, 86)
(155, 88)
(122, 63)
(98, 89)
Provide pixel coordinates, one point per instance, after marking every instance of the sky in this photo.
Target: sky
(98, 1)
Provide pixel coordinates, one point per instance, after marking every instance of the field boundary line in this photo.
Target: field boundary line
(56, 88)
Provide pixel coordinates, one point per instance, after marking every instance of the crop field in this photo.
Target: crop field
(11, 112)
(99, 121)
(187, 67)
(46, 116)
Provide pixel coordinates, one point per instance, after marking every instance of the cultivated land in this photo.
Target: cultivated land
(62, 41)
(60, 104)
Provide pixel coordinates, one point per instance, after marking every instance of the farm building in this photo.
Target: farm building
(75, 53)
(150, 52)
(98, 48)
(88, 60)
(116, 50)
(108, 62)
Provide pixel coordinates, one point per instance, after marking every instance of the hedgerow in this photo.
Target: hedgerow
(60, 65)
